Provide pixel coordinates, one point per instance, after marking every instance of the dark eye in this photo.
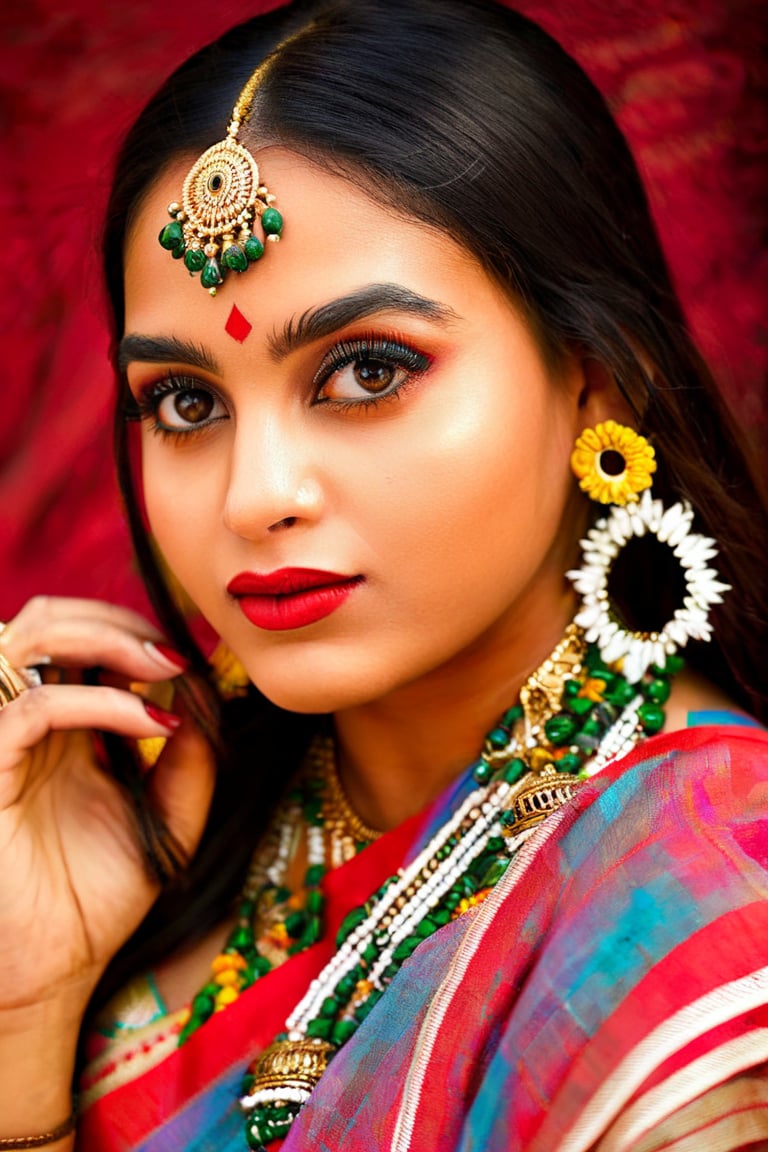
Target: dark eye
(360, 370)
(374, 375)
(173, 405)
(192, 406)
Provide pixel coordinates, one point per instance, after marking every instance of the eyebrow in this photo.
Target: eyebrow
(313, 324)
(326, 319)
(163, 350)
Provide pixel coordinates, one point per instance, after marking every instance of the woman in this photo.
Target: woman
(478, 865)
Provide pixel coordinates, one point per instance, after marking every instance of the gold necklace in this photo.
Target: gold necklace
(273, 922)
(346, 831)
(574, 713)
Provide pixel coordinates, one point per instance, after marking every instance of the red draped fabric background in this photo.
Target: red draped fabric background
(685, 79)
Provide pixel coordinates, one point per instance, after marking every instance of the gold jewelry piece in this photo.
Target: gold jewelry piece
(292, 1066)
(58, 1133)
(13, 682)
(345, 829)
(222, 197)
(540, 794)
(540, 699)
(542, 694)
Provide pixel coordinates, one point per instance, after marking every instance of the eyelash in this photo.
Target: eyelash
(385, 350)
(146, 405)
(388, 351)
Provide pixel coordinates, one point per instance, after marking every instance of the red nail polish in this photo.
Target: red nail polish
(168, 719)
(171, 654)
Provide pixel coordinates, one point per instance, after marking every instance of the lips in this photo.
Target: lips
(290, 597)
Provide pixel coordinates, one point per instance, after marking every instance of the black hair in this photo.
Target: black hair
(465, 115)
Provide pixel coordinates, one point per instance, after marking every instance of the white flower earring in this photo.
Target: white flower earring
(614, 465)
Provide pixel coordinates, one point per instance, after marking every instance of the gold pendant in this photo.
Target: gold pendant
(296, 1064)
(541, 695)
(220, 192)
(542, 793)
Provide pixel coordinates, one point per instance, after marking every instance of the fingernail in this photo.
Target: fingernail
(166, 655)
(168, 720)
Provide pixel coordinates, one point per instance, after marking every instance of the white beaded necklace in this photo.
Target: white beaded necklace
(518, 789)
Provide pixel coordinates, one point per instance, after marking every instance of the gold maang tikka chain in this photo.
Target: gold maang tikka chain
(222, 198)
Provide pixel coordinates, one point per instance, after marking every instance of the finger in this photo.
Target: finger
(45, 608)
(82, 640)
(181, 784)
(32, 716)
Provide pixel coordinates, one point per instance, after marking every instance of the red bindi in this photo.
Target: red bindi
(237, 326)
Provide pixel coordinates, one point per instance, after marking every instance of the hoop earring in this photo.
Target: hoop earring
(614, 465)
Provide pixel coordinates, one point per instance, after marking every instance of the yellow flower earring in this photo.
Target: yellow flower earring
(613, 463)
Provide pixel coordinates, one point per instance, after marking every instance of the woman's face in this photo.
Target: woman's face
(387, 419)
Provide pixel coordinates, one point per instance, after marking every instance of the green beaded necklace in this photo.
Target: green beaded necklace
(575, 714)
(288, 922)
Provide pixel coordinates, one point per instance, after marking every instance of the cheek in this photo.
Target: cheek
(448, 478)
(476, 504)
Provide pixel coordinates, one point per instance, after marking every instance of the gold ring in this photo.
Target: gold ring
(14, 681)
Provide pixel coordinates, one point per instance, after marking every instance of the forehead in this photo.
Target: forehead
(335, 239)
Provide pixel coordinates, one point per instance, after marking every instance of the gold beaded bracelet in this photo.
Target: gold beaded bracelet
(58, 1133)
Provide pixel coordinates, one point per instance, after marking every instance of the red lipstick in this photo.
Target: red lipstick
(290, 597)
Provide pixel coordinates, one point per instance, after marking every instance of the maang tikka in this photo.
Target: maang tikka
(212, 228)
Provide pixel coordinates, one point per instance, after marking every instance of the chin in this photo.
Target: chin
(311, 700)
(307, 691)
(324, 678)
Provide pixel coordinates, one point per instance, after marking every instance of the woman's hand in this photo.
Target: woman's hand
(73, 884)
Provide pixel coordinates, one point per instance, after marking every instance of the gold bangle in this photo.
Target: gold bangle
(58, 1133)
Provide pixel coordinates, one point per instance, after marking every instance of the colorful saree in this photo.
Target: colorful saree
(610, 994)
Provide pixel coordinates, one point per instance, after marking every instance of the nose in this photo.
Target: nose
(274, 480)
